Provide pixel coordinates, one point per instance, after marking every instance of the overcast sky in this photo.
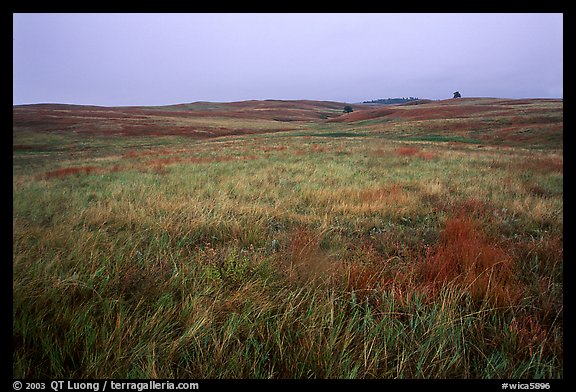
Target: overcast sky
(160, 59)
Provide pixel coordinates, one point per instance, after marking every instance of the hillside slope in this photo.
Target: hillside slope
(527, 122)
(199, 119)
(515, 122)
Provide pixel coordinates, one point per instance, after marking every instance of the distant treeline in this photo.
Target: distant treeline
(390, 101)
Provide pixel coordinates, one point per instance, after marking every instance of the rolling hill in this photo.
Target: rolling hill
(198, 119)
(530, 122)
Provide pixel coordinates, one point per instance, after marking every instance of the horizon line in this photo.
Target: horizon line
(268, 99)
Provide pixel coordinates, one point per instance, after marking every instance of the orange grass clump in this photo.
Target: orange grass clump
(465, 258)
(407, 151)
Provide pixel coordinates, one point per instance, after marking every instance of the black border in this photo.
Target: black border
(327, 7)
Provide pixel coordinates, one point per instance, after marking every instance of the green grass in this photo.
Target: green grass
(270, 256)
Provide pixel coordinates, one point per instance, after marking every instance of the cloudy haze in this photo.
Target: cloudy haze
(158, 59)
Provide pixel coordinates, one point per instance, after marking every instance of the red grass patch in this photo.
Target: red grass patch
(363, 278)
(407, 151)
(465, 258)
(80, 170)
(415, 152)
(542, 165)
(25, 147)
(529, 333)
(67, 171)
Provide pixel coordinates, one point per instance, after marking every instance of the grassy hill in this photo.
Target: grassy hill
(285, 239)
(197, 120)
(527, 122)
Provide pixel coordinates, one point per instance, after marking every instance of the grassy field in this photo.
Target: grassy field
(404, 245)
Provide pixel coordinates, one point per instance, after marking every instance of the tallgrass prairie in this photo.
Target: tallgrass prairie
(422, 242)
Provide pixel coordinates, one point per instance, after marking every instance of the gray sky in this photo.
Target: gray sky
(158, 59)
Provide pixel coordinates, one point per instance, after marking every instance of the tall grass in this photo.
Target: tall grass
(281, 257)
